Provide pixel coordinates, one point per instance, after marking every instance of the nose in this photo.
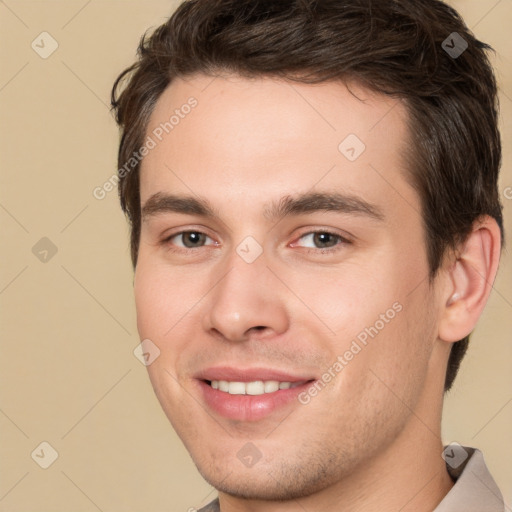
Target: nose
(248, 301)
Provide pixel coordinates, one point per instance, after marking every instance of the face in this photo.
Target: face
(282, 275)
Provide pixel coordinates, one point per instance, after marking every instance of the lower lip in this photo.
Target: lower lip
(249, 407)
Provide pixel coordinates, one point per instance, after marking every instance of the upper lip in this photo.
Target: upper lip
(232, 374)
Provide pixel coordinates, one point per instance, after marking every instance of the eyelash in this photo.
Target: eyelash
(341, 242)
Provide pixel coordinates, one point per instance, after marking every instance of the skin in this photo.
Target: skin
(370, 439)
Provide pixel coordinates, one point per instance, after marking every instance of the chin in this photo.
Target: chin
(267, 483)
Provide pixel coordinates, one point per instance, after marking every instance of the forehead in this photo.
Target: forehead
(234, 136)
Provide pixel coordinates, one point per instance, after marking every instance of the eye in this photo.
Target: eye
(188, 239)
(321, 240)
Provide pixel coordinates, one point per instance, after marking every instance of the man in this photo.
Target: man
(316, 227)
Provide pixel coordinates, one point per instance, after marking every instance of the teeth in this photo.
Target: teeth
(236, 388)
(254, 388)
(257, 387)
(271, 386)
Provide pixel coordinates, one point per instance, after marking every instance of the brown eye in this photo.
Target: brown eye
(188, 239)
(320, 240)
(193, 238)
(323, 240)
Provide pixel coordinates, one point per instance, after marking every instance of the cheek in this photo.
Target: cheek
(349, 299)
(398, 356)
(385, 333)
(168, 302)
(161, 306)
(161, 300)
(149, 298)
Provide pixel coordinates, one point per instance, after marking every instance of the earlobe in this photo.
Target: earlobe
(470, 279)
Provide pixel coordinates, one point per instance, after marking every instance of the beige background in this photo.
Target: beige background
(68, 373)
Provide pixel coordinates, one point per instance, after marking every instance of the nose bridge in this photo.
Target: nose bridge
(245, 297)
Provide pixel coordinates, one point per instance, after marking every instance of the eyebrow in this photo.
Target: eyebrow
(160, 203)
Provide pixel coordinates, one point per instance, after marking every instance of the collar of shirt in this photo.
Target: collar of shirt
(475, 490)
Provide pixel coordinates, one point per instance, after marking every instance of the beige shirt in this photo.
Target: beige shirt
(474, 489)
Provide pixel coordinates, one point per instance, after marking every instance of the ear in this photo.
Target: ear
(469, 280)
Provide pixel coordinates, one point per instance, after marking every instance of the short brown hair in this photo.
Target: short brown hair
(395, 47)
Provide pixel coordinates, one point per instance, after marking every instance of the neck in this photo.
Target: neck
(410, 477)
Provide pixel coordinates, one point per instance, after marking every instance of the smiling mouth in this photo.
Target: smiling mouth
(254, 388)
